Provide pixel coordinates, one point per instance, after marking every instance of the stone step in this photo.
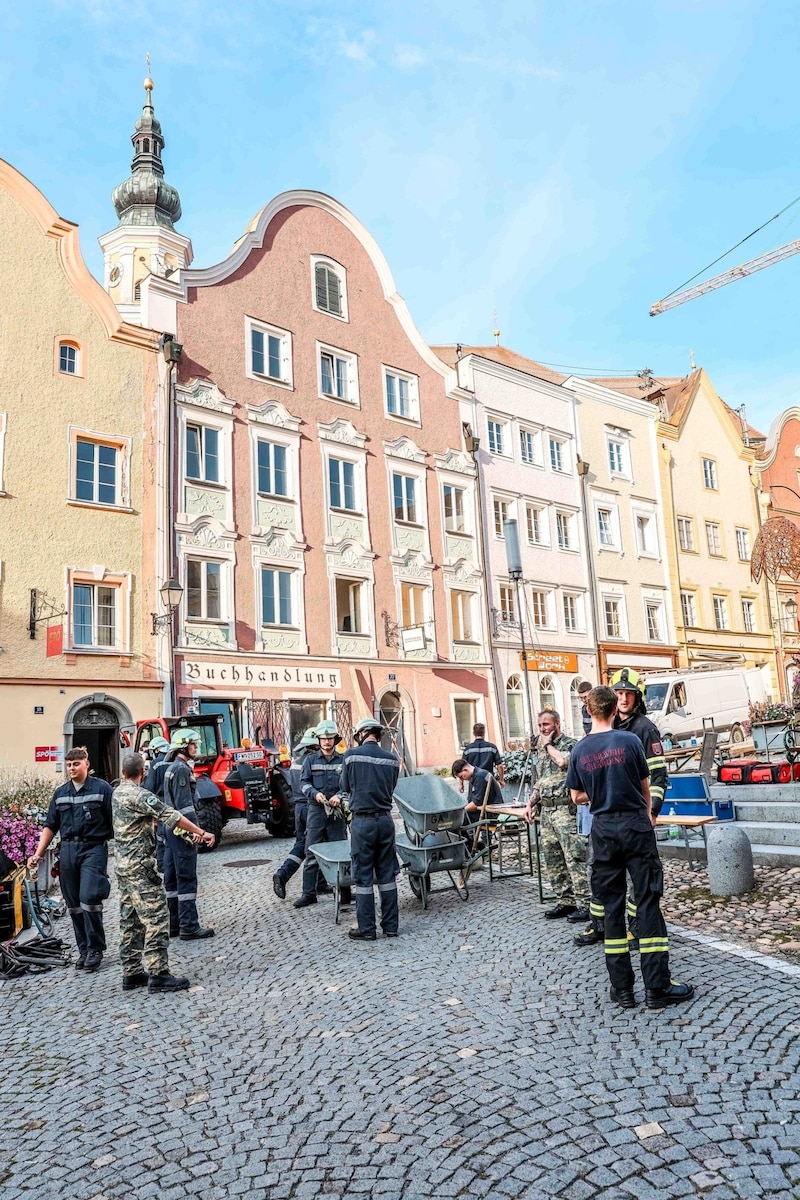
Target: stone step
(774, 833)
(765, 812)
(786, 793)
(775, 856)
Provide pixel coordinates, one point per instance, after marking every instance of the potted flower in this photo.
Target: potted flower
(768, 722)
(24, 800)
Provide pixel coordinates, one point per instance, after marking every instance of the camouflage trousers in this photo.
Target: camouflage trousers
(565, 854)
(143, 921)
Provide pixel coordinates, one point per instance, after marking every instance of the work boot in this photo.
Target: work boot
(356, 935)
(140, 979)
(391, 933)
(164, 982)
(279, 885)
(624, 997)
(579, 917)
(560, 910)
(81, 963)
(304, 901)
(93, 960)
(590, 937)
(675, 993)
(324, 889)
(196, 935)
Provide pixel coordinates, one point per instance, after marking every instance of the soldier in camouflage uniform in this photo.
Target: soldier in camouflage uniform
(143, 916)
(565, 850)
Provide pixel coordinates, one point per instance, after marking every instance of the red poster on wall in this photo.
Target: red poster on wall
(55, 640)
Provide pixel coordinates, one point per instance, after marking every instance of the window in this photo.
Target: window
(466, 714)
(272, 469)
(333, 375)
(203, 591)
(710, 474)
(536, 518)
(67, 358)
(341, 479)
(646, 534)
(749, 615)
(328, 290)
(689, 609)
(529, 448)
(616, 457)
(605, 527)
(720, 612)
(500, 517)
(547, 693)
(714, 539)
(202, 453)
(572, 612)
(654, 619)
(401, 395)
(564, 531)
(743, 544)
(276, 597)
(270, 353)
(686, 534)
(454, 509)
(540, 615)
(94, 616)
(557, 455)
(95, 472)
(612, 613)
(497, 432)
(349, 607)
(515, 707)
(508, 605)
(461, 615)
(404, 496)
(412, 602)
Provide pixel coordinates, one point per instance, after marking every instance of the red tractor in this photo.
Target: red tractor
(246, 782)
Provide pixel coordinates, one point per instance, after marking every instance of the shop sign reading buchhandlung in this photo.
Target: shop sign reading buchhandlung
(244, 675)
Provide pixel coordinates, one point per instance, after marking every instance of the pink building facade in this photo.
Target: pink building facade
(326, 505)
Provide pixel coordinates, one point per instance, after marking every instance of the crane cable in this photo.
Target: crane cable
(703, 270)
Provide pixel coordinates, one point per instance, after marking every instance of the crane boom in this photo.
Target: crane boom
(718, 281)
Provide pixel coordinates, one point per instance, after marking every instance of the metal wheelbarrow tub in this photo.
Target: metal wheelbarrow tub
(428, 804)
(437, 852)
(334, 862)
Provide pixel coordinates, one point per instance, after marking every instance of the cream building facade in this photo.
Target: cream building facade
(76, 502)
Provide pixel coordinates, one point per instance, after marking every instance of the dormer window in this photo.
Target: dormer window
(329, 287)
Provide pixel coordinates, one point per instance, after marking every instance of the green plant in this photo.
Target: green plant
(514, 765)
(24, 799)
(770, 712)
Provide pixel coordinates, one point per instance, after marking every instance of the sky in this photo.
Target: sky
(563, 163)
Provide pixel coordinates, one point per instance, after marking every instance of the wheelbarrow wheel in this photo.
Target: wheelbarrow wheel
(421, 887)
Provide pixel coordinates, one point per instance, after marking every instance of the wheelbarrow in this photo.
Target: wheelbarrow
(333, 859)
(432, 813)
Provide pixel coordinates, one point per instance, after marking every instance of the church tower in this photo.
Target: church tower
(145, 244)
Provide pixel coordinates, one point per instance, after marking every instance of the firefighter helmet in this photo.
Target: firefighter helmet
(182, 737)
(158, 744)
(326, 729)
(365, 727)
(628, 680)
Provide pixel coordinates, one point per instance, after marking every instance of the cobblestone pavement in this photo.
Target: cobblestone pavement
(476, 1055)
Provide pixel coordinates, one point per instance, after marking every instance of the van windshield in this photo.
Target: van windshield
(655, 696)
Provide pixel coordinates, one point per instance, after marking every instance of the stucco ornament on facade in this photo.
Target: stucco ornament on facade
(456, 461)
(204, 395)
(342, 431)
(404, 447)
(275, 414)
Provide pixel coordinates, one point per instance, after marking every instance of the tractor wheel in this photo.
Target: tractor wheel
(737, 734)
(285, 826)
(209, 818)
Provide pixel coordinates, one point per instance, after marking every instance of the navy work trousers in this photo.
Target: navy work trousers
(625, 842)
(294, 860)
(320, 828)
(84, 886)
(374, 861)
(180, 883)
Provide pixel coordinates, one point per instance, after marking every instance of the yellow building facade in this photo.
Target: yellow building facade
(78, 398)
(712, 515)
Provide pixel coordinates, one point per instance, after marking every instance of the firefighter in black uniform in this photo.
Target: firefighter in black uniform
(80, 811)
(369, 776)
(180, 855)
(631, 718)
(483, 754)
(320, 783)
(294, 859)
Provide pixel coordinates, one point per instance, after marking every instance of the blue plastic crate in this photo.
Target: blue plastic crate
(688, 795)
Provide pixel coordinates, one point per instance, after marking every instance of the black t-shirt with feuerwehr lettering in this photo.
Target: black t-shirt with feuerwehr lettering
(609, 767)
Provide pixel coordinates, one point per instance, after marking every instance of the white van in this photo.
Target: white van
(678, 701)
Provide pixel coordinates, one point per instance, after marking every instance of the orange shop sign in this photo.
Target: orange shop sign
(549, 660)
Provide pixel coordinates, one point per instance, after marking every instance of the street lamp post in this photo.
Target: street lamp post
(171, 593)
(514, 560)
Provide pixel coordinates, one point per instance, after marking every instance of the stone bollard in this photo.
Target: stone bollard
(730, 861)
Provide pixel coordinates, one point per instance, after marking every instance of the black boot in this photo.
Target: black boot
(279, 885)
(593, 935)
(624, 997)
(560, 910)
(304, 901)
(675, 993)
(196, 935)
(164, 982)
(140, 979)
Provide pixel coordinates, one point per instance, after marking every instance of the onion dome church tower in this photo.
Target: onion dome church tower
(145, 243)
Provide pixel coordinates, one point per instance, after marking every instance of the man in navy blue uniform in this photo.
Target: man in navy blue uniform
(80, 811)
(483, 754)
(320, 783)
(608, 770)
(369, 776)
(480, 783)
(294, 859)
(180, 854)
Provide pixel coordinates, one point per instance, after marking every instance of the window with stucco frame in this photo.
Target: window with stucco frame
(322, 294)
(102, 443)
(98, 582)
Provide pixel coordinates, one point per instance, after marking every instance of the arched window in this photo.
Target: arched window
(547, 693)
(147, 145)
(515, 706)
(329, 289)
(68, 358)
(575, 706)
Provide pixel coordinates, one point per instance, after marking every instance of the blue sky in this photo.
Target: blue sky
(565, 163)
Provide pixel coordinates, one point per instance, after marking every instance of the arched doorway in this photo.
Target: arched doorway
(398, 719)
(95, 721)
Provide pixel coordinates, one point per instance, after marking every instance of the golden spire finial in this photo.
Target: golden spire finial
(148, 83)
(496, 330)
